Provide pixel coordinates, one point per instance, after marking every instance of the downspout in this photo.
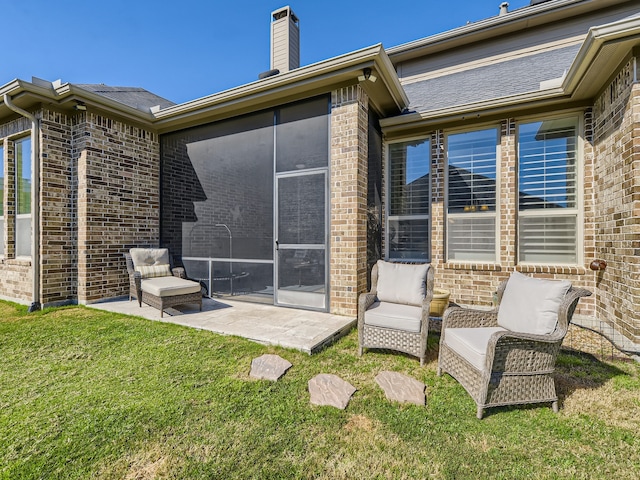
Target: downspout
(35, 201)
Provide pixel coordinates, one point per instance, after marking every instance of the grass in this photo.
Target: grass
(91, 394)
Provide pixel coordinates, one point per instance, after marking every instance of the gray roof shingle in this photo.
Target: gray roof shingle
(135, 97)
(512, 77)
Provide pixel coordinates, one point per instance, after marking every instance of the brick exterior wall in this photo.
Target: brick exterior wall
(471, 283)
(348, 187)
(616, 141)
(15, 273)
(58, 217)
(118, 200)
(99, 196)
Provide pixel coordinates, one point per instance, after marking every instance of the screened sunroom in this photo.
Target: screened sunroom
(244, 203)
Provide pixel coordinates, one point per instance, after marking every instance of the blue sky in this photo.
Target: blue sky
(183, 50)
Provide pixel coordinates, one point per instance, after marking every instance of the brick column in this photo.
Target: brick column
(118, 201)
(348, 185)
(58, 229)
(508, 195)
(616, 196)
(438, 238)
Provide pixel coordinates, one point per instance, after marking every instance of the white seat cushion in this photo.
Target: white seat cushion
(401, 283)
(169, 286)
(394, 315)
(530, 305)
(471, 343)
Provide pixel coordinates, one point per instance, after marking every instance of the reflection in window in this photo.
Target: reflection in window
(471, 199)
(547, 191)
(23, 197)
(408, 225)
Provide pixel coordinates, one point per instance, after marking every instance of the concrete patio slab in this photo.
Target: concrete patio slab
(303, 330)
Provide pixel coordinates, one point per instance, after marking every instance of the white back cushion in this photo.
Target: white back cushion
(149, 256)
(401, 283)
(530, 305)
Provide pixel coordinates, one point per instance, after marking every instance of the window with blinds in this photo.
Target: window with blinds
(23, 196)
(547, 191)
(471, 195)
(409, 205)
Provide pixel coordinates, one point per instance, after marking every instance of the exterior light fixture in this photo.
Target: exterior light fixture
(367, 75)
(81, 107)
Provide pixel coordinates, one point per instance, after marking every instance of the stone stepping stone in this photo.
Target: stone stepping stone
(401, 388)
(269, 367)
(327, 389)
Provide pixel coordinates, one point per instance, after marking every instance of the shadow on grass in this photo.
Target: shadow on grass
(431, 356)
(577, 370)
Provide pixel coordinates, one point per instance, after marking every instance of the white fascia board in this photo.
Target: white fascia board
(618, 31)
(66, 90)
(315, 74)
(471, 110)
(482, 25)
(390, 78)
(513, 21)
(60, 93)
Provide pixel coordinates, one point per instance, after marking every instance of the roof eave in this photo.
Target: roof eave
(386, 94)
(492, 27)
(583, 78)
(581, 83)
(65, 96)
(470, 111)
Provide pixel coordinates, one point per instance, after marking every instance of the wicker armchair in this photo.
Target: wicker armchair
(497, 365)
(154, 281)
(395, 313)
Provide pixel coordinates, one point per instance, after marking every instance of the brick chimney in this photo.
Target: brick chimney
(285, 40)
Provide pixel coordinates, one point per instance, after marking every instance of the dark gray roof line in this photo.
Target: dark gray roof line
(135, 97)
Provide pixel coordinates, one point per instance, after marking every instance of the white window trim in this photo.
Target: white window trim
(496, 214)
(387, 199)
(578, 211)
(16, 139)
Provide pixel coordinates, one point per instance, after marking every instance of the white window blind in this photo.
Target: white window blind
(547, 191)
(408, 227)
(471, 195)
(23, 197)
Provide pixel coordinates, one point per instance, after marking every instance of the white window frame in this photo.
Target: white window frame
(578, 210)
(23, 216)
(387, 201)
(495, 214)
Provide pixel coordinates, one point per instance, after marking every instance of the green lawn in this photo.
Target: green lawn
(90, 394)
